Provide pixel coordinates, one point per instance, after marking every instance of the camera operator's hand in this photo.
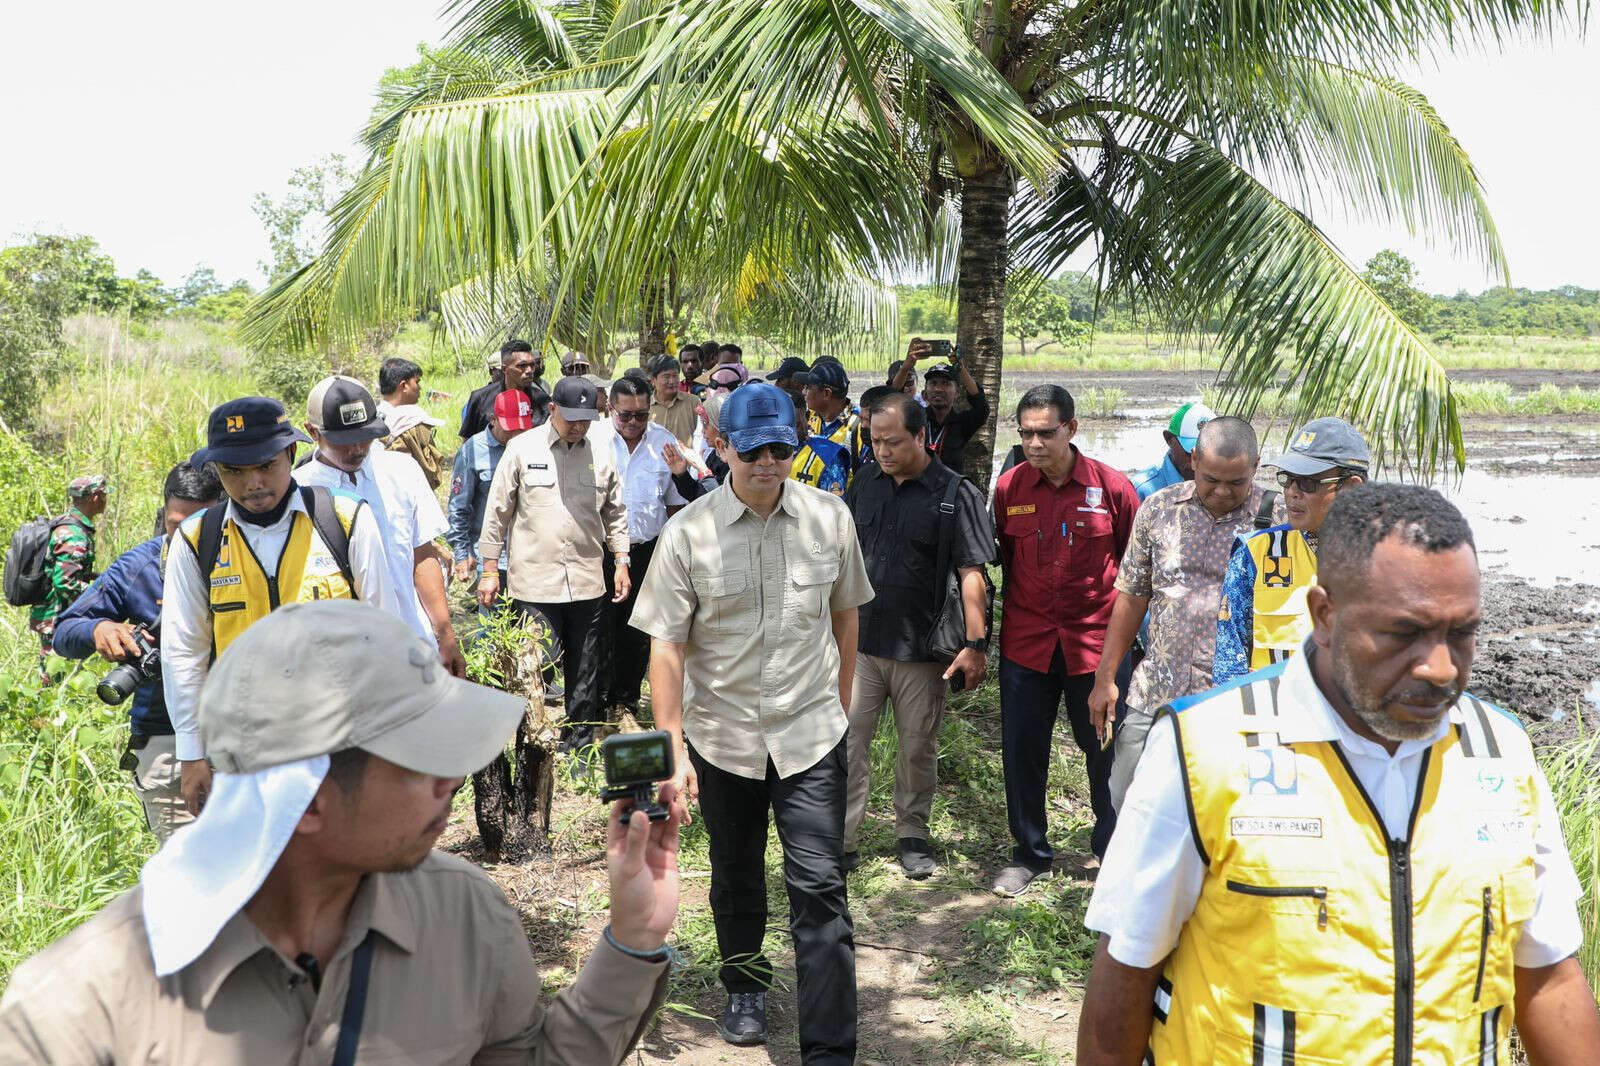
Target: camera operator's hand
(642, 863)
(464, 568)
(194, 780)
(115, 641)
(917, 349)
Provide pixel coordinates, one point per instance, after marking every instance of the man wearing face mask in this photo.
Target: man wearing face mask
(343, 421)
(268, 544)
(1264, 617)
(555, 507)
(1172, 570)
(1345, 856)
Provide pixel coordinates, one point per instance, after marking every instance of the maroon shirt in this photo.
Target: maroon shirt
(1060, 548)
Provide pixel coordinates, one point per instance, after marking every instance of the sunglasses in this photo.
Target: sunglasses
(1309, 485)
(1042, 434)
(781, 452)
(632, 416)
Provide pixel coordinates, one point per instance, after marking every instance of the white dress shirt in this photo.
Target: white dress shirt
(1151, 877)
(647, 487)
(408, 515)
(186, 608)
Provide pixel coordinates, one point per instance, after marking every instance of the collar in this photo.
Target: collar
(1031, 476)
(552, 440)
(490, 440)
(342, 475)
(656, 401)
(1312, 718)
(296, 503)
(378, 905)
(1184, 493)
(729, 508)
(79, 517)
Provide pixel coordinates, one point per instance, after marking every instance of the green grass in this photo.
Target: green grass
(1570, 769)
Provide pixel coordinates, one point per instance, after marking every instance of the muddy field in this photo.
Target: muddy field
(1532, 493)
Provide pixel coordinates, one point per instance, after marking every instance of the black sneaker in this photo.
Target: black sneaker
(916, 858)
(745, 1021)
(852, 861)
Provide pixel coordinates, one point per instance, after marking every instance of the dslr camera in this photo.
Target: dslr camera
(129, 674)
(635, 763)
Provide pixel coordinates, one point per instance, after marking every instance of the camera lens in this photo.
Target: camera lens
(119, 684)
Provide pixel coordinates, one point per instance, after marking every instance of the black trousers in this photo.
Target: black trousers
(577, 626)
(1029, 701)
(626, 650)
(809, 810)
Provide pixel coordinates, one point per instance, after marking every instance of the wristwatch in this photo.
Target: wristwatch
(624, 560)
(979, 645)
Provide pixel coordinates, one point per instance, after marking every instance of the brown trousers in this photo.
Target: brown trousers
(917, 692)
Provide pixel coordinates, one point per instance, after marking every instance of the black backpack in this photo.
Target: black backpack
(318, 503)
(25, 581)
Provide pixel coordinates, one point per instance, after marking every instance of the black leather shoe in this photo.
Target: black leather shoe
(745, 1020)
(916, 858)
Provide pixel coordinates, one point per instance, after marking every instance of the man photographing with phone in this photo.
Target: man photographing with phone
(948, 429)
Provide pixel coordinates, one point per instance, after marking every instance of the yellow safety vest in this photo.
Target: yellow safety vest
(241, 591)
(1286, 568)
(1316, 939)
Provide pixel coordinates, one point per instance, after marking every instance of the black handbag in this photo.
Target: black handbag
(949, 632)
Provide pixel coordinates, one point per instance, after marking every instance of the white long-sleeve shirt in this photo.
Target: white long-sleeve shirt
(186, 607)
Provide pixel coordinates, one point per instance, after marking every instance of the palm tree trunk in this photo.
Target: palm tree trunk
(981, 300)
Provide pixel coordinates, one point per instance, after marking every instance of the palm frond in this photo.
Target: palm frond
(1294, 315)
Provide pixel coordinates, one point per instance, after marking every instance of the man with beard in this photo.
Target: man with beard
(1345, 857)
(267, 545)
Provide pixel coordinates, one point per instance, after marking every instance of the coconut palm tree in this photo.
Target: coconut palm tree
(1180, 146)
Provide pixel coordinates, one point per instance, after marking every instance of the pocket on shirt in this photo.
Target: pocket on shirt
(725, 598)
(811, 586)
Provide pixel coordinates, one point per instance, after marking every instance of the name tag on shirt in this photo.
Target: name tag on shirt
(1094, 510)
(540, 475)
(1020, 508)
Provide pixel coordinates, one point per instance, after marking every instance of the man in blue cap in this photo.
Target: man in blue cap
(751, 603)
(265, 546)
(1265, 617)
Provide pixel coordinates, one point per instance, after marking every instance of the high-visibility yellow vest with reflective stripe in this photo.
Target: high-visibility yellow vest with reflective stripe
(1315, 939)
(241, 591)
(1286, 568)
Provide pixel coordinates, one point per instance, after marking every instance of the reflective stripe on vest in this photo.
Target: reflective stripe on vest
(1286, 568)
(1315, 938)
(242, 593)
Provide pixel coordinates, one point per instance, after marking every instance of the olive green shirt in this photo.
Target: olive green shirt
(452, 981)
(753, 602)
(678, 416)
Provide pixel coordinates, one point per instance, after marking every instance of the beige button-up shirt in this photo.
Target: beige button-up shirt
(678, 416)
(560, 507)
(451, 982)
(753, 600)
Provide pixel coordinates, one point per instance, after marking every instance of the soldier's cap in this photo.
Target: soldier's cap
(1323, 443)
(513, 410)
(246, 432)
(1186, 422)
(757, 414)
(344, 412)
(791, 365)
(575, 398)
(315, 678)
(87, 485)
(827, 372)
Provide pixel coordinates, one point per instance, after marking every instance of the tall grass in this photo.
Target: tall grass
(1575, 784)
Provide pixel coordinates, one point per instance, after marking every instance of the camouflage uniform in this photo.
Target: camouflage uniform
(69, 566)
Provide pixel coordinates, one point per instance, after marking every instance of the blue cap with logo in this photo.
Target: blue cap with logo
(1321, 444)
(247, 432)
(757, 414)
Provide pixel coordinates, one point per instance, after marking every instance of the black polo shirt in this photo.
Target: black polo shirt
(948, 439)
(898, 526)
(479, 409)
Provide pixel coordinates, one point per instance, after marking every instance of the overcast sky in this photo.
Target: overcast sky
(152, 127)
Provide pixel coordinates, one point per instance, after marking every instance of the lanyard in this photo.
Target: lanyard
(355, 1004)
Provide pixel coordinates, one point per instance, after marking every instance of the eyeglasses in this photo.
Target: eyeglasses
(781, 452)
(632, 416)
(1309, 485)
(1042, 434)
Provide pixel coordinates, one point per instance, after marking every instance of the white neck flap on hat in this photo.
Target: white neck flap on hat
(209, 870)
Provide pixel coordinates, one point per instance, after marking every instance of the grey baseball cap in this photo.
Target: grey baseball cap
(314, 678)
(1322, 443)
